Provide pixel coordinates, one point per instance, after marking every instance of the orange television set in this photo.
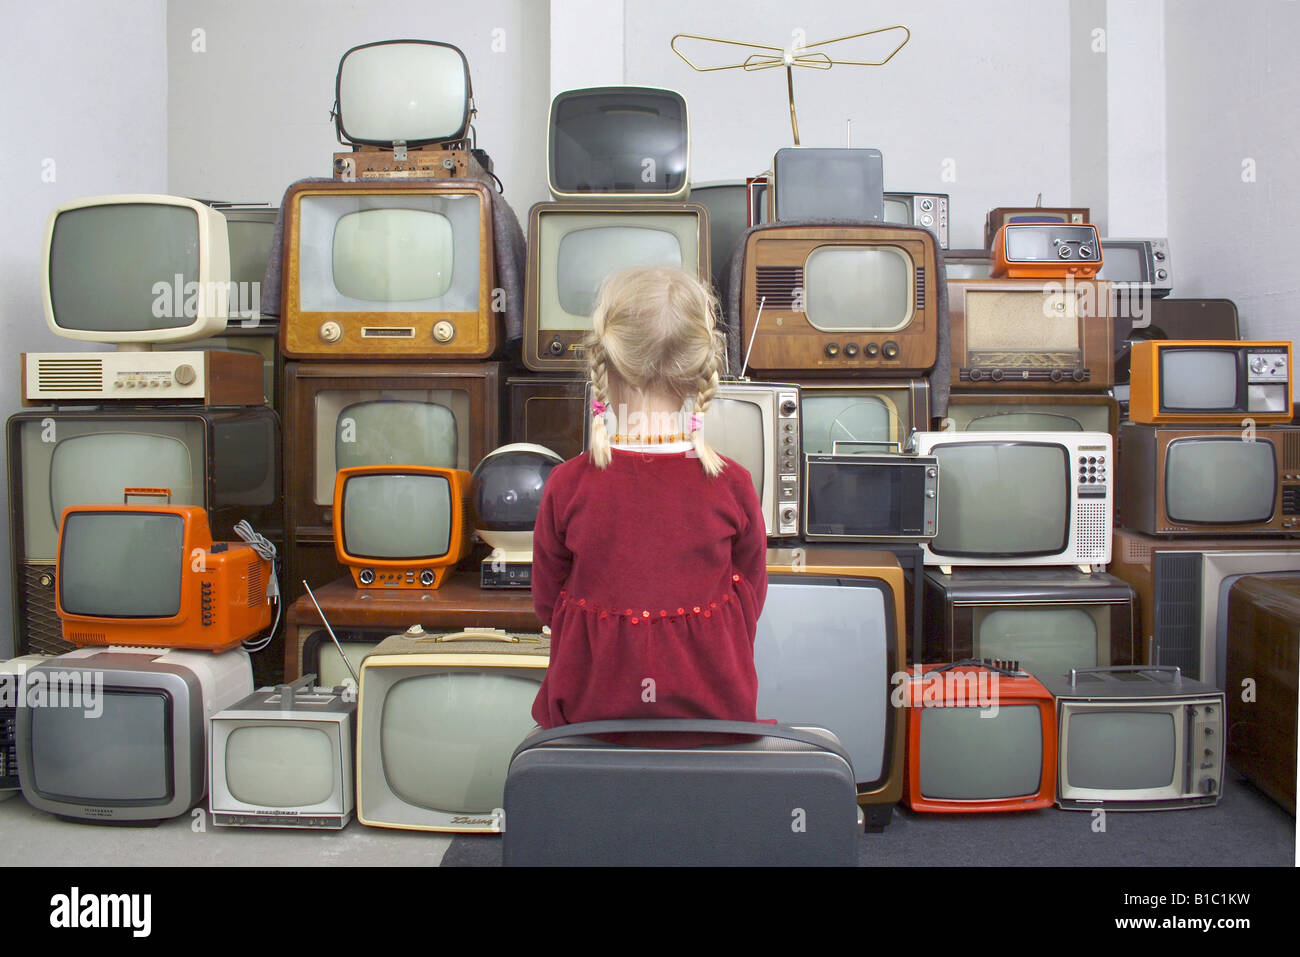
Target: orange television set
(1046, 251)
(151, 576)
(401, 526)
(981, 737)
(1209, 382)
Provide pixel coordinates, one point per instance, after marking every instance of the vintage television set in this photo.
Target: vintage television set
(829, 640)
(548, 411)
(13, 695)
(285, 756)
(401, 526)
(1214, 319)
(138, 754)
(137, 271)
(1137, 738)
(1046, 251)
(1264, 620)
(1141, 265)
(225, 460)
(727, 203)
(1021, 498)
(967, 264)
(1206, 382)
(1017, 334)
(981, 737)
(505, 497)
(438, 717)
(1181, 480)
(1044, 412)
(833, 183)
(402, 93)
(1048, 619)
(881, 411)
(1006, 215)
(929, 210)
(857, 497)
(151, 576)
(630, 142)
(843, 300)
(573, 246)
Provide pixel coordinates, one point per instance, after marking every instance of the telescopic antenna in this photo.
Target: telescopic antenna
(347, 664)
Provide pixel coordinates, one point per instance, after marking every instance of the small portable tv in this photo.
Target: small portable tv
(1006, 215)
(401, 526)
(610, 142)
(225, 460)
(853, 497)
(13, 696)
(1046, 251)
(1138, 264)
(880, 411)
(402, 92)
(836, 183)
(1017, 334)
(132, 748)
(1021, 498)
(388, 269)
(981, 737)
(727, 203)
(1048, 619)
(1206, 382)
(573, 246)
(829, 640)
(505, 497)
(151, 575)
(1045, 412)
(841, 300)
(284, 757)
(929, 210)
(548, 411)
(1180, 480)
(1137, 738)
(438, 717)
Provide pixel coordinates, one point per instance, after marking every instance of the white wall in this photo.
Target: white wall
(1234, 157)
(85, 90)
(250, 115)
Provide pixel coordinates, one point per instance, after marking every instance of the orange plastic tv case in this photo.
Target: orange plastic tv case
(151, 576)
(388, 269)
(401, 526)
(981, 737)
(1006, 215)
(1046, 251)
(1209, 382)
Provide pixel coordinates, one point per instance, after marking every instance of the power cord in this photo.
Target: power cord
(265, 549)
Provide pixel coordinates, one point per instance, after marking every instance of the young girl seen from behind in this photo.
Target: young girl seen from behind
(649, 554)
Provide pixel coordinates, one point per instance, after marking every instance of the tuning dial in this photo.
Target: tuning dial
(1057, 375)
(832, 350)
(1258, 364)
(185, 374)
(1159, 255)
(932, 472)
(1085, 252)
(851, 350)
(331, 331)
(1209, 786)
(890, 350)
(976, 375)
(443, 331)
(556, 347)
(788, 407)
(366, 576)
(871, 349)
(787, 515)
(1162, 274)
(996, 375)
(426, 578)
(1063, 251)
(46, 580)
(1078, 375)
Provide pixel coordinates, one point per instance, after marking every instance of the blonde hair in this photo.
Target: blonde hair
(656, 330)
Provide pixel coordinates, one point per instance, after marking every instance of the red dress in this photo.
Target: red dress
(652, 576)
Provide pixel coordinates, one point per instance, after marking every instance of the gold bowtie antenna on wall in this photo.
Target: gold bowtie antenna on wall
(807, 55)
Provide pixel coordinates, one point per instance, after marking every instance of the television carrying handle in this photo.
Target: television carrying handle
(141, 492)
(1128, 669)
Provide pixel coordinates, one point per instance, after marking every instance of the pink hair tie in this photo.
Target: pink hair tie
(697, 421)
(598, 407)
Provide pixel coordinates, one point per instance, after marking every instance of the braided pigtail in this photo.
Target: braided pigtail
(599, 370)
(710, 459)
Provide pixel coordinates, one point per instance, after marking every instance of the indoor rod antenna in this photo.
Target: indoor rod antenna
(752, 335)
(347, 664)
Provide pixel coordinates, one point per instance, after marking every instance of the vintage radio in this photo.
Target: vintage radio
(572, 247)
(841, 299)
(161, 378)
(388, 269)
(866, 498)
(967, 264)
(929, 210)
(878, 411)
(1203, 382)
(365, 163)
(1138, 265)
(760, 206)
(836, 183)
(1045, 412)
(1046, 251)
(1014, 334)
(1208, 481)
(550, 412)
(402, 93)
(1004, 215)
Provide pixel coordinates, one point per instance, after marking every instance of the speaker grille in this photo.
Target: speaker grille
(1177, 589)
(1092, 532)
(920, 287)
(70, 375)
(778, 284)
(256, 584)
(1291, 451)
(40, 632)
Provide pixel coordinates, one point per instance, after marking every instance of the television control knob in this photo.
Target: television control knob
(976, 375)
(367, 576)
(871, 350)
(927, 204)
(832, 350)
(932, 472)
(1063, 251)
(331, 332)
(185, 374)
(929, 493)
(1258, 364)
(1161, 274)
(1159, 255)
(426, 578)
(556, 347)
(1209, 786)
(996, 375)
(851, 350)
(788, 407)
(1085, 252)
(787, 515)
(46, 580)
(1077, 375)
(443, 331)
(1057, 375)
(890, 350)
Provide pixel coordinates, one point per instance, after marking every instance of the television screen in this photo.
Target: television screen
(1220, 481)
(1045, 640)
(829, 184)
(383, 252)
(734, 427)
(968, 756)
(104, 261)
(280, 765)
(1198, 379)
(1121, 750)
(829, 418)
(859, 288)
(857, 501)
(728, 220)
(1124, 263)
(619, 140)
(446, 737)
(250, 244)
(396, 516)
(95, 468)
(122, 564)
(977, 517)
(409, 90)
(898, 211)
